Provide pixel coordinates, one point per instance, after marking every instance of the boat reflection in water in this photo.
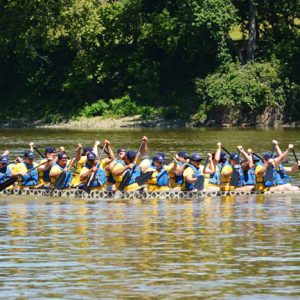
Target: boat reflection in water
(210, 247)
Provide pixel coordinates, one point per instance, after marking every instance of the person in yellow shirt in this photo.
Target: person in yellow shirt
(176, 168)
(28, 178)
(64, 165)
(44, 173)
(128, 164)
(192, 173)
(159, 180)
(93, 174)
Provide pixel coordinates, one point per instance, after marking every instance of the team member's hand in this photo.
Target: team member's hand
(31, 144)
(106, 143)
(209, 157)
(219, 145)
(291, 146)
(144, 139)
(249, 151)
(240, 148)
(97, 143)
(275, 143)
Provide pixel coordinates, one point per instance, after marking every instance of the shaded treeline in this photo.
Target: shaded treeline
(196, 59)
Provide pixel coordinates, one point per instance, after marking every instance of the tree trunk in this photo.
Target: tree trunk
(252, 31)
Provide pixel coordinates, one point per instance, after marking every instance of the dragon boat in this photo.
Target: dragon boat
(106, 195)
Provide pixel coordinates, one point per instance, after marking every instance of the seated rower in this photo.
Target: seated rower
(62, 166)
(248, 169)
(159, 180)
(93, 174)
(219, 159)
(119, 159)
(192, 173)
(230, 169)
(28, 178)
(281, 177)
(44, 172)
(80, 163)
(176, 173)
(5, 168)
(127, 164)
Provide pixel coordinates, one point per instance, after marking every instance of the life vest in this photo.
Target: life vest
(215, 178)
(68, 178)
(162, 177)
(4, 173)
(225, 180)
(249, 176)
(100, 178)
(134, 173)
(45, 175)
(280, 175)
(197, 173)
(30, 179)
(263, 180)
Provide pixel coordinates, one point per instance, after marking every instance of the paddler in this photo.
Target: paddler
(5, 167)
(233, 168)
(64, 164)
(159, 180)
(127, 164)
(28, 179)
(176, 173)
(78, 166)
(44, 171)
(192, 172)
(90, 168)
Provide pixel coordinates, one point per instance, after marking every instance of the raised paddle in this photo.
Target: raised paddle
(39, 152)
(257, 155)
(296, 158)
(127, 176)
(12, 180)
(225, 150)
(88, 186)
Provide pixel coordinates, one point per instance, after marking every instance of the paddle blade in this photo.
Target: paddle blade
(60, 181)
(7, 183)
(199, 184)
(235, 178)
(125, 181)
(143, 178)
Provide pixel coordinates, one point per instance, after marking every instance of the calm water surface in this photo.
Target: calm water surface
(210, 248)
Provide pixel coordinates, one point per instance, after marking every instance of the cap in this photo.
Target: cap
(50, 149)
(195, 157)
(91, 156)
(87, 149)
(62, 155)
(119, 150)
(163, 154)
(255, 158)
(4, 160)
(234, 156)
(29, 154)
(268, 155)
(130, 155)
(159, 158)
(183, 154)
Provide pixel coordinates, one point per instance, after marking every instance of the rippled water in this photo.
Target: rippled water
(222, 248)
(210, 248)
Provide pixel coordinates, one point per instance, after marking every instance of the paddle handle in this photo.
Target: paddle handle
(296, 158)
(37, 166)
(39, 152)
(257, 155)
(223, 148)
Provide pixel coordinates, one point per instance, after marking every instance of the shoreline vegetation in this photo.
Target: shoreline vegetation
(135, 121)
(174, 63)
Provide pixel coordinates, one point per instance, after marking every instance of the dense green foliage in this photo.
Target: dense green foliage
(59, 57)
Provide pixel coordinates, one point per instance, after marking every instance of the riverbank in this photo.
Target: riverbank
(136, 121)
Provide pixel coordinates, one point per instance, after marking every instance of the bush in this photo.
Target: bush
(235, 92)
(121, 107)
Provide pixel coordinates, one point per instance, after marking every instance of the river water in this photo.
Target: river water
(209, 248)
